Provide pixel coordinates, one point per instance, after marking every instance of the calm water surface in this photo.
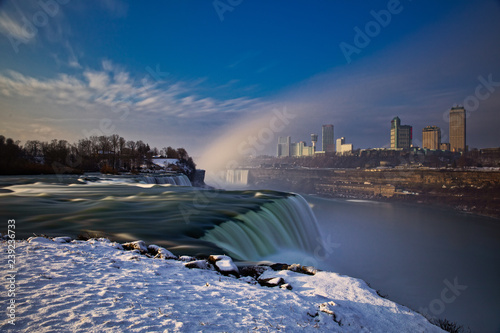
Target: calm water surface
(411, 253)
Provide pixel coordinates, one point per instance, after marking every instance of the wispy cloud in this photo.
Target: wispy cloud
(13, 29)
(115, 89)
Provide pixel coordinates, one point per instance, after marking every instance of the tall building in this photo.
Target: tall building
(327, 141)
(284, 146)
(339, 144)
(401, 135)
(342, 147)
(431, 137)
(457, 129)
(314, 139)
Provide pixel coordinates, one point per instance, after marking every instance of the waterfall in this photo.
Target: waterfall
(178, 179)
(285, 223)
(237, 176)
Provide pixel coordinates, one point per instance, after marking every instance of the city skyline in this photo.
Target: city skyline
(401, 137)
(189, 75)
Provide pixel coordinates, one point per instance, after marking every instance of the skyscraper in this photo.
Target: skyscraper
(457, 129)
(284, 146)
(327, 141)
(401, 135)
(431, 137)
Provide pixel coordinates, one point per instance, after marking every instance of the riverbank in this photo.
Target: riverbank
(473, 191)
(115, 290)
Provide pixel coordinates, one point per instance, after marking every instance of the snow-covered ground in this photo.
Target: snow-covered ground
(95, 286)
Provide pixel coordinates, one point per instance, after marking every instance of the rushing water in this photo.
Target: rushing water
(158, 209)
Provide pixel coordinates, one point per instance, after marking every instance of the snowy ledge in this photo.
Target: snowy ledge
(95, 285)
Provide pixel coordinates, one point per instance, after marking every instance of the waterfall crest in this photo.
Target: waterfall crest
(285, 223)
(178, 180)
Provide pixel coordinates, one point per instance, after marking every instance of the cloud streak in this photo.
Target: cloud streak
(115, 89)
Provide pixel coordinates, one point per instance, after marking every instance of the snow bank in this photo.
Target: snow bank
(96, 286)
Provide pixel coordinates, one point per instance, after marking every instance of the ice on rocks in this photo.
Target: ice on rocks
(271, 282)
(224, 264)
(248, 279)
(160, 252)
(200, 264)
(309, 270)
(62, 239)
(187, 258)
(137, 245)
(40, 240)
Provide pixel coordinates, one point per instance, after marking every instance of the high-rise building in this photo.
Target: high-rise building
(327, 141)
(401, 135)
(284, 146)
(340, 142)
(431, 137)
(457, 129)
(314, 139)
(342, 147)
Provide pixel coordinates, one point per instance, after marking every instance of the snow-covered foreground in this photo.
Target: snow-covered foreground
(95, 286)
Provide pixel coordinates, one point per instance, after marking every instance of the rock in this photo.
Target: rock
(186, 258)
(137, 245)
(309, 270)
(62, 239)
(224, 265)
(40, 240)
(329, 308)
(286, 286)
(279, 267)
(103, 239)
(253, 271)
(200, 264)
(160, 252)
(117, 246)
(271, 282)
(248, 279)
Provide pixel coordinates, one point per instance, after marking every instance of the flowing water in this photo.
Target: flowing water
(247, 225)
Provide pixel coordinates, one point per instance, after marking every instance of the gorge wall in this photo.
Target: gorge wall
(468, 190)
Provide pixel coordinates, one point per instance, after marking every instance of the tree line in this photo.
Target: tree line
(108, 154)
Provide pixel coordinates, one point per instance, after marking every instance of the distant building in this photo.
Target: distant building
(401, 135)
(314, 139)
(284, 146)
(457, 129)
(342, 147)
(327, 140)
(444, 146)
(431, 138)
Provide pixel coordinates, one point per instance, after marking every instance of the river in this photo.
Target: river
(438, 261)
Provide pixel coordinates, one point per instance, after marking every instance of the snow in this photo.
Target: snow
(94, 286)
(165, 161)
(224, 264)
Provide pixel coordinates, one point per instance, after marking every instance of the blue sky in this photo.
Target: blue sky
(207, 75)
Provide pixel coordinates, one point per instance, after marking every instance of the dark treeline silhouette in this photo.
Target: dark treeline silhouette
(108, 154)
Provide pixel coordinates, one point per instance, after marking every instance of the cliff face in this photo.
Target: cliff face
(474, 191)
